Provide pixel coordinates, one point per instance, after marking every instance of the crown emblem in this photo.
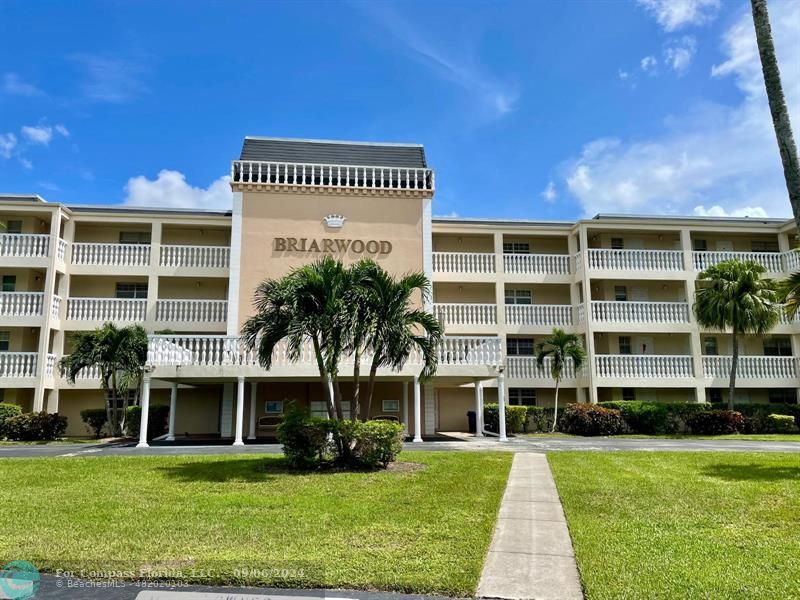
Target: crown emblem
(334, 221)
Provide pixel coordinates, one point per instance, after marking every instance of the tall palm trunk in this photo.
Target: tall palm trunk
(373, 372)
(777, 104)
(734, 364)
(324, 377)
(555, 410)
(355, 408)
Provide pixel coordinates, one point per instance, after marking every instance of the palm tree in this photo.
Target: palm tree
(736, 296)
(560, 347)
(777, 104)
(120, 354)
(789, 295)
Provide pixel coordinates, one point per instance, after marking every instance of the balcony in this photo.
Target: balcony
(643, 366)
(640, 312)
(463, 262)
(534, 264)
(21, 304)
(196, 257)
(192, 311)
(24, 245)
(110, 255)
(18, 365)
(102, 310)
(527, 368)
(453, 313)
(539, 315)
(752, 367)
(773, 262)
(635, 260)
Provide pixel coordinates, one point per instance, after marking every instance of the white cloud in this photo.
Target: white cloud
(170, 190)
(61, 130)
(8, 141)
(648, 63)
(38, 134)
(110, 79)
(49, 186)
(710, 155)
(26, 164)
(549, 193)
(674, 14)
(12, 84)
(623, 74)
(717, 211)
(678, 54)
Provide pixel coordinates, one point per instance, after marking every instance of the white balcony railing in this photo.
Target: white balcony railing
(18, 364)
(463, 262)
(107, 309)
(640, 312)
(465, 314)
(752, 367)
(219, 350)
(21, 304)
(334, 176)
(527, 367)
(199, 257)
(643, 366)
(636, 260)
(110, 255)
(55, 307)
(192, 311)
(785, 320)
(529, 264)
(50, 366)
(61, 250)
(771, 261)
(544, 315)
(24, 245)
(85, 374)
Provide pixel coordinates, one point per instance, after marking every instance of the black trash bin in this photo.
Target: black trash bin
(472, 421)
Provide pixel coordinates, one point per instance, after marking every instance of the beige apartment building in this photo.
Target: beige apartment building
(623, 283)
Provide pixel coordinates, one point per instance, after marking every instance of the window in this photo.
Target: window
(783, 396)
(628, 394)
(624, 344)
(519, 346)
(273, 407)
(391, 406)
(522, 397)
(620, 293)
(14, 226)
(764, 246)
(699, 245)
(519, 297)
(320, 409)
(131, 290)
(134, 237)
(132, 399)
(516, 248)
(617, 244)
(9, 283)
(715, 395)
(5, 340)
(777, 346)
(710, 346)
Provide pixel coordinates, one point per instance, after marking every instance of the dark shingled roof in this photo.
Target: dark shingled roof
(329, 152)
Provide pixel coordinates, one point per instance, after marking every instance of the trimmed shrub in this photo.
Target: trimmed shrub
(41, 426)
(590, 420)
(157, 421)
(515, 418)
(539, 419)
(7, 410)
(306, 440)
(756, 415)
(781, 424)
(716, 422)
(376, 443)
(95, 419)
(653, 418)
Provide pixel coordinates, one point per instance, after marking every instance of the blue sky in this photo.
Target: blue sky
(544, 110)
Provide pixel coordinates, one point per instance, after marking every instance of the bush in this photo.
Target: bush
(654, 418)
(306, 440)
(95, 419)
(515, 418)
(539, 419)
(781, 424)
(716, 422)
(6, 412)
(591, 419)
(756, 416)
(157, 421)
(376, 443)
(39, 426)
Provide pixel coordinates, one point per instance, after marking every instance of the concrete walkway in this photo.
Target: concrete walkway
(531, 556)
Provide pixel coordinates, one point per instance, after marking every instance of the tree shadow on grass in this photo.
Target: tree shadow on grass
(754, 472)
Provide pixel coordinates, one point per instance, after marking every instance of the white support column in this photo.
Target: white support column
(145, 405)
(253, 403)
(417, 410)
(405, 407)
(695, 342)
(501, 404)
(152, 278)
(478, 409)
(239, 411)
(173, 405)
(235, 264)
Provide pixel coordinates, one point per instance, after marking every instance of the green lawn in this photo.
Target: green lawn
(752, 437)
(683, 525)
(418, 531)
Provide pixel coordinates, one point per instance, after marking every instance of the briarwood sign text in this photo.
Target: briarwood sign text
(331, 245)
